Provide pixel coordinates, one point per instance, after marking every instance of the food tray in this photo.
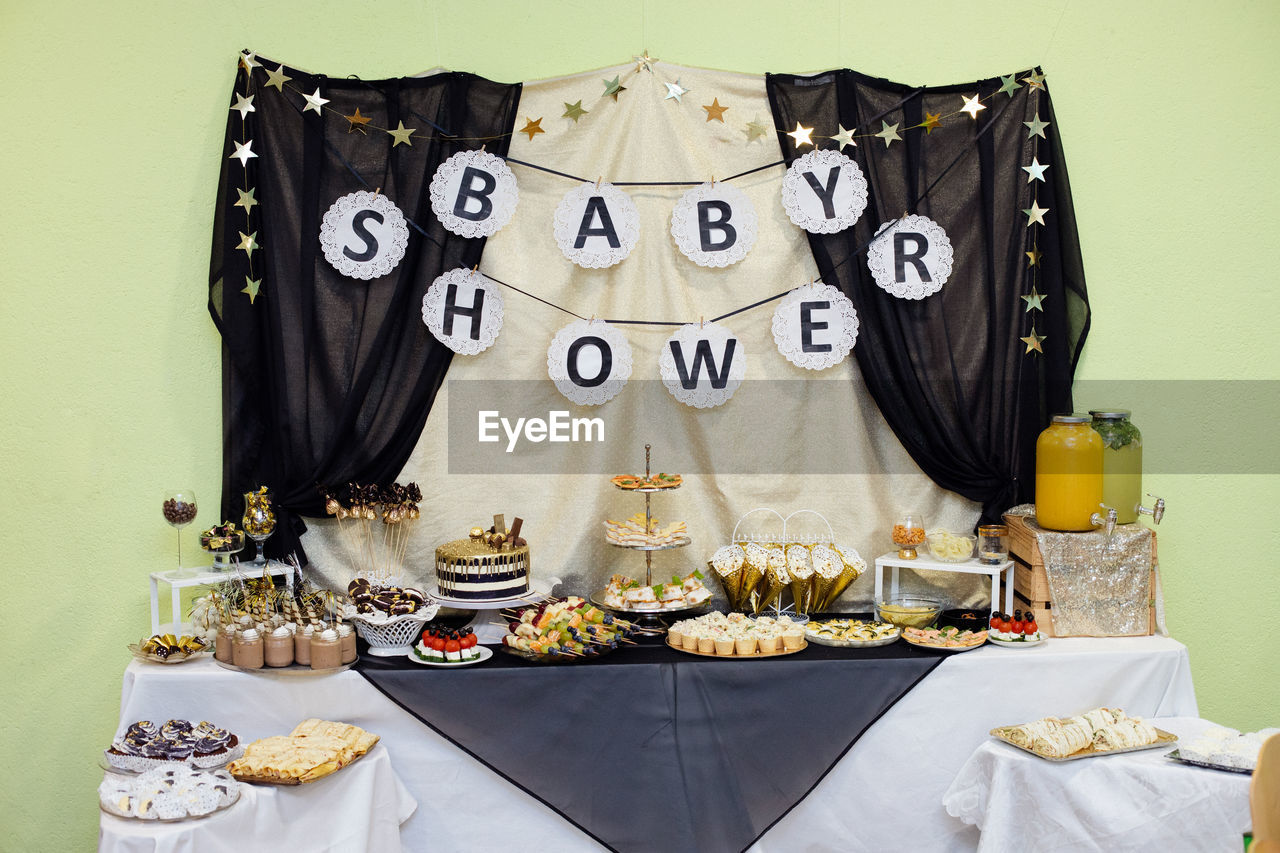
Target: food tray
(229, 756)
(265, 780)
(948, 649)
(680, 542)
(1163, 739)
(648, 490)
(293, 670)
(1177, 756)
(554, 659)
(136, 649)
(171, 819)
(735, 656)
(598, 600)
(853, 644)
(485, 654)
(1014, 644)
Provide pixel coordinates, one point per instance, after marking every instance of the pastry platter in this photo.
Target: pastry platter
(1163, 739)
(782, 650)
(890, 637)
(597, 599)
(289, 783)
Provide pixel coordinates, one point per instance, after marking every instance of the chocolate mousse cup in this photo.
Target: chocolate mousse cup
(326, 650)
(302, 645)
(247, 652)
(278, 650)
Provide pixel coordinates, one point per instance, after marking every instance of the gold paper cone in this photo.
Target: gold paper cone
(848, 576)
(751, 577)
(770, 588)
(802, 593)
(730, 583)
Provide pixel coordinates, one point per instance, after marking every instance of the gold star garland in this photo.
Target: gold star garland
(244, 153)
(1035, 214)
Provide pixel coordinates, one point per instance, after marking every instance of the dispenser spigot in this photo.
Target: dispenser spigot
(1108, 521)
(1156, 510)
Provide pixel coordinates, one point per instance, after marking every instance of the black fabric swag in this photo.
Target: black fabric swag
(949, 372)
(326, 378)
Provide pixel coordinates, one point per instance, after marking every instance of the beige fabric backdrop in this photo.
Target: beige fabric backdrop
(643, 137)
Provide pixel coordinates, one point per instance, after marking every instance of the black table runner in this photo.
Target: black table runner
(651, 749)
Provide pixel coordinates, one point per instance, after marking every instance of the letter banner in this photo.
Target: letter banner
(815, 326)
(824, 191)
(474, 194)
(910, 257)
(596, 226)
(463, 309)
(714, 225)
(589, 361)
(364, 235)
(703, 364)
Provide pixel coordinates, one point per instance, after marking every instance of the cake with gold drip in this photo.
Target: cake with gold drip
(489, 564)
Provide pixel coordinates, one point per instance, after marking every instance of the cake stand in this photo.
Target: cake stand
(489, 624)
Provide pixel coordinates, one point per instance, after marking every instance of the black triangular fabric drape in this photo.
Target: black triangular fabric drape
(326, 378)
(950, 372)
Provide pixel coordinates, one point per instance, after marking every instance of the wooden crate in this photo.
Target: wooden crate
(1031, 583)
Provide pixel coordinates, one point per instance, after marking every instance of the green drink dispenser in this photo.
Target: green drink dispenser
(1122, 467)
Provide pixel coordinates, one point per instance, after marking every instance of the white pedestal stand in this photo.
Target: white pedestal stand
(202, 577)
(970, 566)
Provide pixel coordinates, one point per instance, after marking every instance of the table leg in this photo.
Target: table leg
(175, 593)
(879, 582)
(1008, 589)
(155, 606)
(893, 590)
(995, 589)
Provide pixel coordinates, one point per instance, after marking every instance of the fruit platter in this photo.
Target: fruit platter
(565, 630)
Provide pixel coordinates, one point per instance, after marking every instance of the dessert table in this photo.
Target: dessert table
(885, 792)
(1132, 801)
(361, 807)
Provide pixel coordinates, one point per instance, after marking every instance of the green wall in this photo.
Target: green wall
(112, 124)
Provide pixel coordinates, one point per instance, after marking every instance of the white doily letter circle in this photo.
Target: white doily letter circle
(363, 235)
(815, 326)
(473, 194)
(702, 365)
(589, 361)
(824, 192)
(911, 257)
(463, 309)
(714, 225)
(596, 226)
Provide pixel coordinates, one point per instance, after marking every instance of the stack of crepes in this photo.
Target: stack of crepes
(1102, 728)
(753, 576)
(312, 751)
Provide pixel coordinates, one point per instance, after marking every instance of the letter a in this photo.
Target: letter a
(597, 207)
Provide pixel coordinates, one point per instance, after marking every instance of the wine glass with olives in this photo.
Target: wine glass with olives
(180, 510)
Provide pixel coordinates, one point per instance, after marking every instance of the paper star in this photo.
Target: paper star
(756, 130)
(1035, 172)
(315, 102)
(1034, 80)
(402, 134)
(931, 120)
(843, 138)
(532, 127)
(574, 111)
(357, 121)
(801, 135)
(248, 62)
(613, 88)
(247, 201)
(1033, 342)
(644, 62)
(248, 242)
(972, 107)
(277, 78)
(1035, 213)
(1009, 85)
(715, 112)
(1033, 258)
(244, 105)
(889, 133)
(1033, 300)
(1036, 127)
(675, 90)
(243, 152)
(251, 287)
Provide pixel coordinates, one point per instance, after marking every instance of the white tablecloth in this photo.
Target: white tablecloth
(359, 808)
(1135, 801)
(885, 794)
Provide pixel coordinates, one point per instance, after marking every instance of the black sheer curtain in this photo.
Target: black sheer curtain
(950, 372)
(326, 378)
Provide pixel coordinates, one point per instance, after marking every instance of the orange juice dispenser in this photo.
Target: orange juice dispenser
(1122, 466)
(1069, 475)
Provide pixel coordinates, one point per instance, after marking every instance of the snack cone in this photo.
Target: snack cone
(771, 586)
(753, 570)
(731, 583)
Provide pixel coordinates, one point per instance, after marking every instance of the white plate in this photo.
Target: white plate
(485, 654)
(1040, 637)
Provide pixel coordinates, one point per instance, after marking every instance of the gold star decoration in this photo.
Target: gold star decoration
(1035, 213)
(243, 105)
(248, 242)
(243, 152)
(315, 102)
(801, 135)
(644, 62)
(1036, 127)
(248, 61)
(972, 106)
(931, 120)
(532, 127)
(889, 133)
(612, 88)
(715, 112)
(843, 138)
(1035, 172)
(277, 78)
(675, 90)
(247, 201)
(1033, 342)
(402, 134)
(251, 287)
(756, 130)
(1009, 85)
(574, 111)
(1033, 300)
(1035, 80)
(1033, 258)
(357, 121)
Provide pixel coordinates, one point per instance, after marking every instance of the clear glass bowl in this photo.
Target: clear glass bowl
(909, 611)
(948, 547)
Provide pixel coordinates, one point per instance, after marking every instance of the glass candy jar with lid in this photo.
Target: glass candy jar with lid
(1068, 474)
(908, 534)
(992, 544)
